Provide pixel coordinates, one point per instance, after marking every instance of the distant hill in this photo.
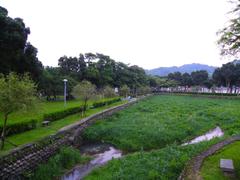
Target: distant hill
(188, 68)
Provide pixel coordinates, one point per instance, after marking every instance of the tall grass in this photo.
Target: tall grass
(155, 128)
(58, 164)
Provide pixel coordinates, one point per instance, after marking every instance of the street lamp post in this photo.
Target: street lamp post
(65, 92)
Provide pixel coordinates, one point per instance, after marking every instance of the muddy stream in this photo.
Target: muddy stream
(100, 153)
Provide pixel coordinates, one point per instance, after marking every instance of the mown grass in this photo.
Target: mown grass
(41, 132)
(210, 169)
(43, 107)
(158, 123)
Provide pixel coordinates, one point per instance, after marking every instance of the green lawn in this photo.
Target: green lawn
(44, 107)
(40, 132)
(161, 123)
(210, 169)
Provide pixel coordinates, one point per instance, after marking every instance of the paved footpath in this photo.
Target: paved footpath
(192, 170)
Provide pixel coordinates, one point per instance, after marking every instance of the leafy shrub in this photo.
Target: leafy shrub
(20, 127)
(55, 167)
(109, 92)
(62, 114)
(106, 102)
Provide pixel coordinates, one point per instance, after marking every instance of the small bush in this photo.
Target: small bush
(20, 127)
(56, 166)
(106, 102)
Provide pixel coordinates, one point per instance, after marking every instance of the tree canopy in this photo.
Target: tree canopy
(16, 54)
(229, 40)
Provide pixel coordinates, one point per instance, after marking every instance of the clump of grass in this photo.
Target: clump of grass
(166, 163)
(58, 164)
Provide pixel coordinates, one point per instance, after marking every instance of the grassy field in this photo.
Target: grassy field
(210, 169)
(41, 132)
(154, 129)
(43, 107)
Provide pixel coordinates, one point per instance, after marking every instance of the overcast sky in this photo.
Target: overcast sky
(148, 33)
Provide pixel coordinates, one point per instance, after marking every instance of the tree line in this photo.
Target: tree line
(228, 75)
(99, 69)
(19, 56)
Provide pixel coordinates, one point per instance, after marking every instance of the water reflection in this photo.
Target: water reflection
(101, 154)
(217, 132)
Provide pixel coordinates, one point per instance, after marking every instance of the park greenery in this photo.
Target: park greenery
(151, 131)
(210, 168)
(40, 131)
(155, 128)
(15, 94)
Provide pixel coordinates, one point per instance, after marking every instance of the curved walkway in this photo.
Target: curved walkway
(192, 170)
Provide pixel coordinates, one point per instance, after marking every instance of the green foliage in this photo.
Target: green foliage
(166, 163)
(208, 94)
(163, 82)
(16, 54)
(227, 75)
(196, 78)
(155, 128)
(229, 35)
(124, 91)
(84, 91)
(55, 167)
(102, 70)
(210, 168)
(20, 127)
(105, 102)
(162, 120)
(62, 114)
(42, 132)
(143, 90)
(108, 92)
(51, 83)
(16, 93)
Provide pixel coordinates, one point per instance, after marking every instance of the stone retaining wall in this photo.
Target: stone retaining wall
(25, 159)
(192, 170)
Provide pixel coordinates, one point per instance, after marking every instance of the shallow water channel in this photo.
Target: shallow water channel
(217, 132)
(100, 153)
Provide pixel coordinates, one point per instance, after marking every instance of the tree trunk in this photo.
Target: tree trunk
(3, 131)
(84, 107)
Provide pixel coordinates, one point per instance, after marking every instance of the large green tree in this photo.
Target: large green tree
(16, 54)
(16, 93)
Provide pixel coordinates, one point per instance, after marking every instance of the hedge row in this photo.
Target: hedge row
(106, 102)
(61, 114)
(20, 127)
(203, 93)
